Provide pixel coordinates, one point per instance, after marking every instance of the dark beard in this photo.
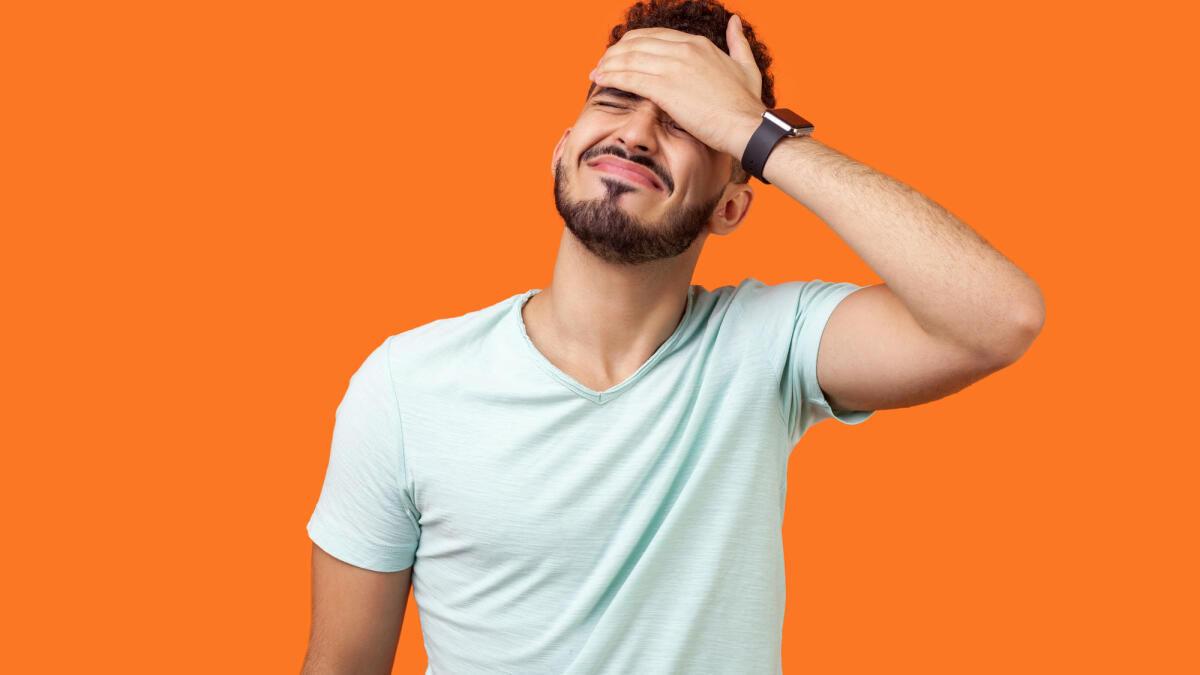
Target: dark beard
(614, 236)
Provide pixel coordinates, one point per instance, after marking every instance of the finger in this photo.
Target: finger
(628, 80)
(654, 47)
(644, 67)
(654, 58)
(739, 46)
(662, 34)
(651, 43)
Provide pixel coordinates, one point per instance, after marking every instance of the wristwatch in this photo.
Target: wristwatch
(777, 123)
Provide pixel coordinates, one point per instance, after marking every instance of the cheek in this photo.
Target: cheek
(693, 176)
(579, 147)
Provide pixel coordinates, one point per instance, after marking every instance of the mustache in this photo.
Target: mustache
(618, 151)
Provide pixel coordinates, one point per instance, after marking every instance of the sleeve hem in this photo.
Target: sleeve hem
(355, 554)
(821, 317)
(405, 478)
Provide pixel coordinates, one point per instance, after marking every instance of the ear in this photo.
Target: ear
(732, 209)
(558, 150)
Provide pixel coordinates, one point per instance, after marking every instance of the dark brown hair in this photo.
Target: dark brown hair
(698, 17)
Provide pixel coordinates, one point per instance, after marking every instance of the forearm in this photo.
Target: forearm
(952, 281)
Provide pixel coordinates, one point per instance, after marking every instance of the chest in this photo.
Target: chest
(557, 481)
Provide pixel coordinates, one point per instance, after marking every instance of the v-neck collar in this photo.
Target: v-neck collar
(599, 397)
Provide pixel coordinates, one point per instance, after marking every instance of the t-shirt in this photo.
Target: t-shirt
(552, 528)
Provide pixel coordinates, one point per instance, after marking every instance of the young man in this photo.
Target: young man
(590, 478)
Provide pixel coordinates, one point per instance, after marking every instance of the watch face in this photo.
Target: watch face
(798, 123)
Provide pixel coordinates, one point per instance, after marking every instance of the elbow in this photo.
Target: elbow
(1026, 327)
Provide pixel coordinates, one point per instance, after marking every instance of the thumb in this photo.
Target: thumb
(739, 47)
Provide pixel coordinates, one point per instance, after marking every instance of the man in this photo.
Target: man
(590, 478)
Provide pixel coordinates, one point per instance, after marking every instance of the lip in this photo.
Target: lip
(634, 172)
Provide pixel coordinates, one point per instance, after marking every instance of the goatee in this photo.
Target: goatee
(615, 236)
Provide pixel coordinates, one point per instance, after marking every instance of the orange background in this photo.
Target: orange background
(212, 213)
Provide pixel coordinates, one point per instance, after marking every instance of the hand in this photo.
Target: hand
(714, 96)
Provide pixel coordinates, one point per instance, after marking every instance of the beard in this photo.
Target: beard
(613, 235)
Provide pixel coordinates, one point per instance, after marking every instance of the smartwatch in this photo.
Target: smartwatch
(777, 123)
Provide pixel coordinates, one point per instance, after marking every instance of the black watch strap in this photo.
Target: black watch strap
(754, 158)
(776, 123)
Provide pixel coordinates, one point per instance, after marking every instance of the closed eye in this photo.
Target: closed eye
(621, 107)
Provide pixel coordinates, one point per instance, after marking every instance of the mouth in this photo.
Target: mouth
(628, 170)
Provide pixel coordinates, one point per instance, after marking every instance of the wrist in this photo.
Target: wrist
(740, 133)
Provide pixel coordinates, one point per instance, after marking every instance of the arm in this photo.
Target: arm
(356, 617)
(951, 310)
(956, 287)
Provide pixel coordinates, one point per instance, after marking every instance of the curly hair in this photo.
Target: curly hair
(698, 17)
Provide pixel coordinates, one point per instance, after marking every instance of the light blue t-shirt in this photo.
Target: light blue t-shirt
(552, 528)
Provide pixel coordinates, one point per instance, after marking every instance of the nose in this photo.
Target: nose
(640, 131)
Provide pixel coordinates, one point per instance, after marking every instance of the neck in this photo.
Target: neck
(608, 319)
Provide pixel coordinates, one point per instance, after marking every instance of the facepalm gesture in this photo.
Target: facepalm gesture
(714, 96)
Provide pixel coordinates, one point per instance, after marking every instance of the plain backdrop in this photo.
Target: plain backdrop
(213, 211)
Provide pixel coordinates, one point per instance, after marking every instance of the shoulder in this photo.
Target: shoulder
(453, 337)
(782, 305)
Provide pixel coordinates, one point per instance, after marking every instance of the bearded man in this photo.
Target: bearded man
(590, 477)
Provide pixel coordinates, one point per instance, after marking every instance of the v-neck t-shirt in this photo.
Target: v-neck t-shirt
(552, 528)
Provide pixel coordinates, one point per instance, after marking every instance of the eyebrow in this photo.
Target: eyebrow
(619, 93)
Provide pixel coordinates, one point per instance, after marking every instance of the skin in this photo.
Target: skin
(627, 252)
(356, 617)
(951, 309)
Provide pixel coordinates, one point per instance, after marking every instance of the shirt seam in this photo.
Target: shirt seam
(770, 374)
(771, 377)
(826, 312)
(405, 474)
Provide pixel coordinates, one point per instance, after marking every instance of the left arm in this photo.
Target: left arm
(951, 310)
(954, 284)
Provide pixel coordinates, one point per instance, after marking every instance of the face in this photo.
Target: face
(631, 185)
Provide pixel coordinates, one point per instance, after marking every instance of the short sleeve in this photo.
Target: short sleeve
(365, 514)
(805, 403)
(785, 322)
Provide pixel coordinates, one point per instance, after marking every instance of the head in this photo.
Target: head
(691, 189)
